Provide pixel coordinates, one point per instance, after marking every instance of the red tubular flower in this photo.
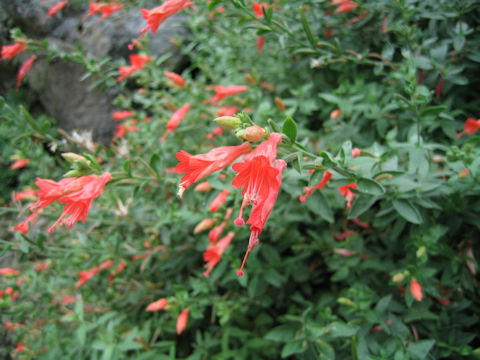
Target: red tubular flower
(196, 167)
(85, 276)
(203, 225)
(219, 200)
(224, 91)
(122, 115)
(158, 15)
(216, 232)
(160, 304)
(8, 271)
(349, 194)
(26, 194)
(24, 69)
(177, 79)
(182, 321)
(105, 9)
(176, 118)
(54, 9)
(344, 6)
(227, 111)
(260, 42)
(19, 164)
(9, 51)
(137, 62)
(335, 113)
(416, 290)
(256, 174)
(76, 193)
(471, 126)
(307, 191)
(203, 187)
(214, 253)
(261, 211)
(257, 8)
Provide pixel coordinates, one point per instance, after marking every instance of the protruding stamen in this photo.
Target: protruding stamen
(240, 271)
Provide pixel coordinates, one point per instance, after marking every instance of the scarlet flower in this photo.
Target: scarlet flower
(8, 271)
(177, 79)
(105, 9)
(255, 172)
(9, 51)
(214, 253)
(261, 211)
(224, 91)
(137, 62)
(123, 129)
(335, 113)
(257, 9)
(196, 167)
(122, 115)
(26, 194)
(219, 200)
(39, 267)
(203, 187)
(216, 232)
(24, 69)
(54, 9)
(176, 118)
(416, 289)
(19, 164)
(85, 276)
(19, 348)
(355, 152)
(160, 304)
(203, 225)
(345, 6)
(349, 194)
(260, 42)
(158, 15)
(227, 111)
(76, 193)
(307, 191)
(471, 126)
(182, 321)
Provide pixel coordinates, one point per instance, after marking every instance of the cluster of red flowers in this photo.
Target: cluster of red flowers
(106, 9)
(137, 63)
(76, 193)
(259, 173)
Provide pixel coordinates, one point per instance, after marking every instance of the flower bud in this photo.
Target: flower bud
(203, 187)
(421, 251)
(463, 173)
(416, 290)
(204, 225)
(345, 301)
(398, 278)
(72, 157)
(335, 113)
(252, 133)
(228, 122)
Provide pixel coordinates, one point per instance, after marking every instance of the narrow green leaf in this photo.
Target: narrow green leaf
(306, 28)
(127, 167)
(408, 211)
(370, 187)
(290, 129)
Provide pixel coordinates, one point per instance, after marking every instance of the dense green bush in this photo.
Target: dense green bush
(375, 95)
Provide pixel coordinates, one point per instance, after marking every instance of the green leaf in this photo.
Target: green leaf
(339, 329)
(316, 177)
(432, 110)
(290, 129)
(282, 333)
(295, 347)
(408, 211)
(307, 29)
(318, 204)
(330, 98)
(370, 187)
(383, 304)
(420, 349)
(298, 162)
(361, 205)
(127, 167)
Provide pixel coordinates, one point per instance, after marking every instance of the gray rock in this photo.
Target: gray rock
(57, 84)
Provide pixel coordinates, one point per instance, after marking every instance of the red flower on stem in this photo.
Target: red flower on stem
(260, 42)
(261, 211)
(214, 253)
(9, 51)
(122, 115)
(158, 15)
(182, 321)
(176, 118)
(105, 9)
(307, 191)
(471, 126)
(19, 164)
(196, 167)
(160, 304)
(8, 271)
(416, 290)
(24, 69)
(54, 9)
(227, 111)
(137, 62)
(76, 193)
(177, 79)
(349, 194)
(219, 200)
(258, 8)
(224, 91)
